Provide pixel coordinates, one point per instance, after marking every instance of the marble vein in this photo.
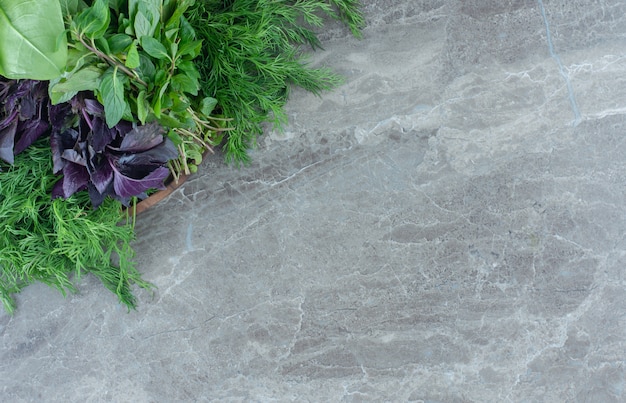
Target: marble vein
(555, 56)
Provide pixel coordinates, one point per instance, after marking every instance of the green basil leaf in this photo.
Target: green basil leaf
(184, 83)
(171, 34)
(69, 7)
(142, 25)
(57, 97)
(169, 6)
(207, 106)
(192, 49)
(103, 45)
(154, 48)
(156, 106)
(180, 104)
(132, 57)
(94, 21)
(173, 49)
(116, 5)
(142, 110)
(33, 43)
(85, 79)
(170, 121)
(175, 137)
(167, 102)
(146, 69)
(181, 6)
(125, 26)
(128, 113)
(112, 91)
(187, 33)
(189, 68)
(146, 18)
(160, 78)
(118, 43)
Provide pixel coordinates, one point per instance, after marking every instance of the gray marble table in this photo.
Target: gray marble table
(447, 226)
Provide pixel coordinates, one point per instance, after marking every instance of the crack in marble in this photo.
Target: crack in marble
(294, 339)
(175, 277)
(557, 58)
(177, 330)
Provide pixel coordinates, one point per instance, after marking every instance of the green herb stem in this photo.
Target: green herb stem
(93, 49)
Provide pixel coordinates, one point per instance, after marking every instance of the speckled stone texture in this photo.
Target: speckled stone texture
(448, 226)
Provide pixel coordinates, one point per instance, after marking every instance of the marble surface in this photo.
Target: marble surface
(448, 226)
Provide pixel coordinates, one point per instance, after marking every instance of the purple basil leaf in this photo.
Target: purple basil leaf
(128, 187)
(23, 114)
(74, 156)
(7, 137)
(14, 95)
(57, 190)
(93, 107)
(100, 172)
(58, 143)
(75, 178)
(140, 164)
(56, 147)
(96, 196)
(123, 127)
(29, 132)
(101, 135)
(12, 117)
(142, 138)
(58, 116)
(28, 108)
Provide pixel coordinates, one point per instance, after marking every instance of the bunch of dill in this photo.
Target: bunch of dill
(251, 54)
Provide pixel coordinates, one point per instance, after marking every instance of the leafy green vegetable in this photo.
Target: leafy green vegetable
(33, 47)
(168, 75)
(144, 54)
(118, 43)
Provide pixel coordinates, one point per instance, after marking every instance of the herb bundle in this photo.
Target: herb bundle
(101, 100)
(137, 58)
(119, 161)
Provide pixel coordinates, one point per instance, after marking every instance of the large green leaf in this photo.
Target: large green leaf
(32, 43)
